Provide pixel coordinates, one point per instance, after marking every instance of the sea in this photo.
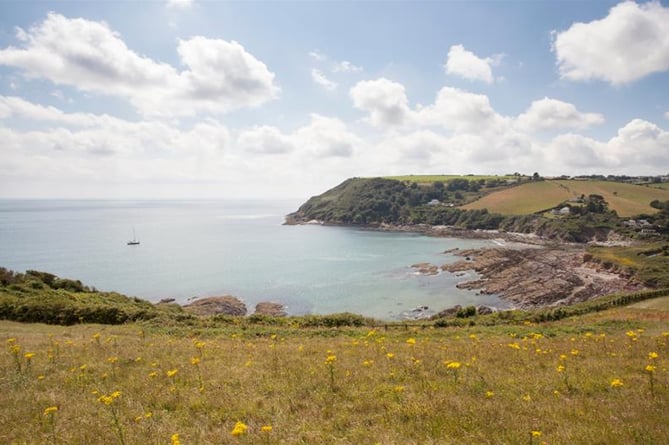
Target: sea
(192, 248)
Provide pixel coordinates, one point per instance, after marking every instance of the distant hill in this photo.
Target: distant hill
(513, 203)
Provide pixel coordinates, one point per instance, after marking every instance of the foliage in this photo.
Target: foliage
(41, 297)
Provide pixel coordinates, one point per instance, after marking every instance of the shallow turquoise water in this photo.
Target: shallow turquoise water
(203, 248)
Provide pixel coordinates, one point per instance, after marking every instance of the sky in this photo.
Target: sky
(220, 99)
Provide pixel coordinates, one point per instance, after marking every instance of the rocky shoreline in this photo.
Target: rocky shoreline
(530, 277)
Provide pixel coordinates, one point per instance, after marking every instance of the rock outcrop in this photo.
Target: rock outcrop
(534, 277)
(271, 309)
(227, 305)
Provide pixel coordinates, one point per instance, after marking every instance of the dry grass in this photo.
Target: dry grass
(524, 199)
(429, 386)
(626, 199)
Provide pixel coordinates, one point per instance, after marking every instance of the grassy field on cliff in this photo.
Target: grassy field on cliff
(429, 179)
(596, 379)
(626, 199)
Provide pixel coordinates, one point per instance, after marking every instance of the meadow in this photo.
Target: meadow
(596, 379)
(626, 199)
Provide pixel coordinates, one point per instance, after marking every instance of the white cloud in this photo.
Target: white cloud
(320, 79)
(576, 152)
(553, 114)
(90, 56)
(223, 75)
(78, 141)
(317, 55)
(385, 100)
(264, 140)
(666, 115)
(462, 112)
(326, 137)
(640, 143)
(639, 147)
(469, 66)
(346, 67)
(179, 4)
(628, 44)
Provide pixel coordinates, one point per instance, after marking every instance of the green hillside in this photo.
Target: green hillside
(626, 199)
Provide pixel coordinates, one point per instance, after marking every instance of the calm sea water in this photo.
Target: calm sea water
(200, 248)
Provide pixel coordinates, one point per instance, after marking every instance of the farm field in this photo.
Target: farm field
(626, 199)
(568, 382)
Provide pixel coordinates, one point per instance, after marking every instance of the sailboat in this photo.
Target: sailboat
(134, 240)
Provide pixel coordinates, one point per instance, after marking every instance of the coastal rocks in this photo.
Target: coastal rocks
(227, 305)
(535, 277)
(418, 313)
(425, 269)
(270, 309)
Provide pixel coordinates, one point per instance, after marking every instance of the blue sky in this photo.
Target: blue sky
(188, 99)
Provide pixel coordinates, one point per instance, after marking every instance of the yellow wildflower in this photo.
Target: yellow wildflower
(650, 369)
(536, 433)
(411, 341)
(239, 429)
(50, 410)
(266, 429)
(29, 355)
(172, 372)
(107, 400)
(195, 361)
(616, 383)
(514, 345)
(489, 394)
(560, 368)
(175, 439)
(653, 355)
(390, 355)
(453, 365)
(331, 359)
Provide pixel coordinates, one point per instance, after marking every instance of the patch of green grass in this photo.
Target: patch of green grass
(648, 262)
(430, 179)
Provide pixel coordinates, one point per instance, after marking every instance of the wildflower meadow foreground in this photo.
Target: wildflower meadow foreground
(599, 379)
